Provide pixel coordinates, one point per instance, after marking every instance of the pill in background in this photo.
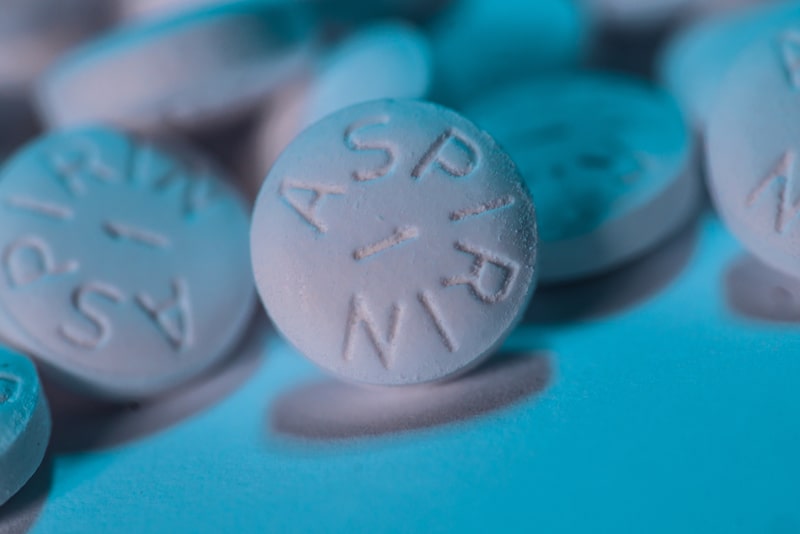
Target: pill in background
(195, 71)
(125, 269)
(479, 44)
(608, 160)
(33, 33)
(24, 422)
(394, 243)
(693, 64)
(389, 59)
(752, 148)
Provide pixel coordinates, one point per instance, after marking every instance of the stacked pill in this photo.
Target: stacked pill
(417, 169)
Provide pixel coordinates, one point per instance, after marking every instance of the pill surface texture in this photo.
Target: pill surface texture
(753, 143)
(606, 158)
(394, 243)
(192, 71)
(125, 270)
(24, 423)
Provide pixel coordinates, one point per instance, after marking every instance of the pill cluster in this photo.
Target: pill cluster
(392, 179)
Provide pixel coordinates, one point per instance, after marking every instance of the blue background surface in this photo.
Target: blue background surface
(672, 414)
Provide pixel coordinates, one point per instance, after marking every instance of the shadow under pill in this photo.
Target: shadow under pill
(333, 410)
(81, 424)
(756, 291)
(20, 513)
(618, 290)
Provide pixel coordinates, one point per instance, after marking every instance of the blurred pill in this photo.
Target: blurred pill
(384, 60)
(394, 243)
(24, 423)
(125, 268)
(479, 44)
(138, 10)
(752, 146)
(638, 13)
(697, 58)
(608, 161)
(34, 32)
(197, 70)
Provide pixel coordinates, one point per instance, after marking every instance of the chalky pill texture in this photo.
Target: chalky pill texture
(606, 158)
(189, 72)
(125, 270)
(753, 143)
(394, 243)
(24, 423)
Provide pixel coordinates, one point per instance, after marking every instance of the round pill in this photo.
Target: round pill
(608, 161)
(753, 141)
(479, 45)
(639, 13)
(24, 423)
(125, 269)
(386, 60)
(695, 61)
(192, 71)
(394, 243)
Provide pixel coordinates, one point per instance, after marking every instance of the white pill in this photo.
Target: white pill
(608, 161)
(384, 60)
(208, 66)
(480, 44)
(394, 243)
(34, 32)
(125, 270)
(697, 58)
(753, 143)
(24, 423)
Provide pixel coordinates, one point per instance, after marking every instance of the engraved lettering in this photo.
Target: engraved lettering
(20, 273)
(308, 211)
(360, 315)
(145, 237)
(354, 142)
(81, 159)
(483, 260)
(427, 301)
(480, 209)
(102, 329)
(399, 236)
(790, 56)
(173, 316)
(783, 174)
(39, 207)
(439, 156)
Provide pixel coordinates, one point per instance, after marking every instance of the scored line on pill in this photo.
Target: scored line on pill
(145, 237)
(47, 209)
(400, 235)
(492, 205)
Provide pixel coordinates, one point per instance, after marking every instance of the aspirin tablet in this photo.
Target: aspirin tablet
(607, 159)
(695, 61)
(638, 13)
(394, 243)
(192, 71)
(124, 270)
(384, 60)
(480, 44)
(24, 423)
(753, 143)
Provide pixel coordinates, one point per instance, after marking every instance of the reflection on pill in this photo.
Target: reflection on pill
(81, 424)
(759, 292)
(335, 410)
